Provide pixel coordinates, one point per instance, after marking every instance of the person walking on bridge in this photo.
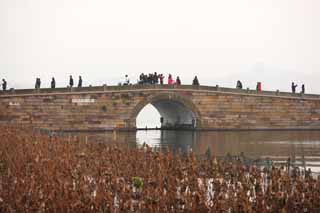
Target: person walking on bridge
(71, 81)
(4, 84)
(293, 87)
(53, 83)
(80, 82)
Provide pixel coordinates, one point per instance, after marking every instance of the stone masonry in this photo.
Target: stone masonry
(109, 108)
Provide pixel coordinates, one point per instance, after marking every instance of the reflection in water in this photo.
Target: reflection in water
(252, 143)
(276, 145)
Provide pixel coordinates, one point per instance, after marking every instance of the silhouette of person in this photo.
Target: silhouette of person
(53, 83)
(38, 83)
(71, 81)
(4, 84)
(178, 81)
(293, 87)
(239, 84)
(195, 81)
(302, 89)
(141, 79)
(80, 82)
(156, 78)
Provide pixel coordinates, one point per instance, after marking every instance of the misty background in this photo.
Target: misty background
(272, 41)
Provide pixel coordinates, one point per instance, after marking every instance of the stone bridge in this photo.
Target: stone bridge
(198, 107)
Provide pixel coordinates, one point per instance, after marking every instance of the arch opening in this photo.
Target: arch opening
(148, 117)
(167, 114)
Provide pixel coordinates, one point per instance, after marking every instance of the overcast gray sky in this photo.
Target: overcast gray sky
(272, 41)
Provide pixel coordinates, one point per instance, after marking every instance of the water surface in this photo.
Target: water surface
(301, 146)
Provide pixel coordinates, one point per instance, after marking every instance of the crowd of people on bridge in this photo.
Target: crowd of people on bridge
(151, 78)
(155, 78)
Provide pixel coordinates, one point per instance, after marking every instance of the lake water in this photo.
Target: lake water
(301, 146)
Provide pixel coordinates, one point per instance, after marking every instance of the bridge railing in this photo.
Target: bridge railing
(154, 87)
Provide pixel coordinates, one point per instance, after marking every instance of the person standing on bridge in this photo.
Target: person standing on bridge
(71, 81)
(259, 87)
(302, 89)
(239, 85)
(195, 81)
(293, 87)
(161, 77)
(156, 78)
(178, 81)
(4, 84)
(38, 83)
(141, 79)
(53, 83)
(170, 80)
(80, 82)
(126, 80)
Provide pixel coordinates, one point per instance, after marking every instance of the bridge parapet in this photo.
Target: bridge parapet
(127, 88)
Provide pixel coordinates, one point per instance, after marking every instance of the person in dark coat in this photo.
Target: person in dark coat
(156, 78)
(195, 81)
(53, 83)
(178, 81)
(71, 81)
(38, 83)
(80, 82)
(303, 89)
(239, 84)
(4, 85)
(293, 87)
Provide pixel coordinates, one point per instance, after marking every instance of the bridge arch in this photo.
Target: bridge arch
(176, 111)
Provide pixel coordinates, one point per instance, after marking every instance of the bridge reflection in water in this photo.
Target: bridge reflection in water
(278, 146)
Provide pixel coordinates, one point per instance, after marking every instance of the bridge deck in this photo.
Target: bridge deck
(132, 88)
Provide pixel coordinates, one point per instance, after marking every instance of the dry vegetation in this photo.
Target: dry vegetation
(39, 173)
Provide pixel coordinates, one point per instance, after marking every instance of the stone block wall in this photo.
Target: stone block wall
(118, 108)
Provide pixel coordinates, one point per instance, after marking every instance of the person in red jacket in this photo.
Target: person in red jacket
(170, 80)
(259, 87)
(161, 79)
